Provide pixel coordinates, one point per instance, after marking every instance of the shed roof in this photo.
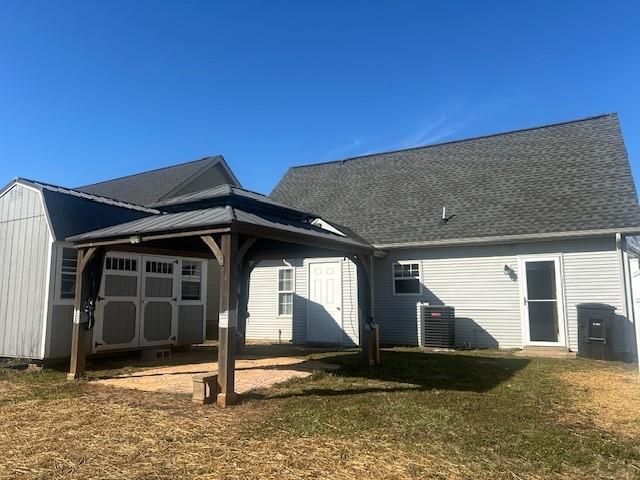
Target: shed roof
(566, 177)
(70, 211)
(150, 187)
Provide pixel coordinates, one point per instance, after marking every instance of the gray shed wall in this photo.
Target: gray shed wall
(25, 246)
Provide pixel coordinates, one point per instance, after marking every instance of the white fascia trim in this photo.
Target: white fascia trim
(508, 238)
(323, 224)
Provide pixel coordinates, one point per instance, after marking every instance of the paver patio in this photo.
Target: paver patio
(250, 374)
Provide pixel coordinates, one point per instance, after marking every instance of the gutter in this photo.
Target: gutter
(500, 239)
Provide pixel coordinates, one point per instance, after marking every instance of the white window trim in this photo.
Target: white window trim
(393, 278)
(189, 278)
(278, 291)
(58, 300)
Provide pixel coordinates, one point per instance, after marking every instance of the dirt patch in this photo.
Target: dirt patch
(250, 375)
(610, 398)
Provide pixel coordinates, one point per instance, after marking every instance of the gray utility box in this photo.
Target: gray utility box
(596, 326)
(439, 326)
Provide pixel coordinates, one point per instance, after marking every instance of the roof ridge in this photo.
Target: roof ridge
(88, 196)
(461, 140)
(212, 157)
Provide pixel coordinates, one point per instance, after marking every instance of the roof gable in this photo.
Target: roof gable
(573, 176)
(149, 187)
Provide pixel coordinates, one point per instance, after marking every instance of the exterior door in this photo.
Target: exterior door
(324, 315)
(542, 296)
(118, 306)
(159, 315)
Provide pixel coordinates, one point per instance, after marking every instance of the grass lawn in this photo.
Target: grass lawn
(420, 415)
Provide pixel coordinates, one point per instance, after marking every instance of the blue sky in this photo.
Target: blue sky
(94, 90)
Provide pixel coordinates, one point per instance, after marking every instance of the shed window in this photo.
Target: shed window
(285, 291)
(191, 279)
(121, 264)
(68, 273)
(406, 278)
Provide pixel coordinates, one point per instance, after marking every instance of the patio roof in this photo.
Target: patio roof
(222, 209)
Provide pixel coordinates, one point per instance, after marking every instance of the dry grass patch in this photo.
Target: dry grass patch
(610, 399)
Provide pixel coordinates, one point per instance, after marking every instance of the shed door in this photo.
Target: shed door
(542, 301)
(324, 319)
(118, 303)
(159, 318)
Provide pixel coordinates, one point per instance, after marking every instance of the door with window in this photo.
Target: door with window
(159, 315)
(542, 298)
(324, 319)
(118, 306)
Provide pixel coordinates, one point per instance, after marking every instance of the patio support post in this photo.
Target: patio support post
(80, 336)
(228, 323)
(368, 328)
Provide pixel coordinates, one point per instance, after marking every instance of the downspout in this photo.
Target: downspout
(627, 305)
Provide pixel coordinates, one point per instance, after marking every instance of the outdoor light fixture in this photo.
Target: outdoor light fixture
(510, 272)
(134, 239)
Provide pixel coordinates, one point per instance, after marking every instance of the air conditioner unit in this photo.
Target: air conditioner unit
(439, 326)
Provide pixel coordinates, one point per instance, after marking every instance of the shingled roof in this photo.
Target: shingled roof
(567, 177)
(149, 187)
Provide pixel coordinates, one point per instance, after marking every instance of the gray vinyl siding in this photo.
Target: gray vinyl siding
(265, 324)
(25, 245)
(487, 300)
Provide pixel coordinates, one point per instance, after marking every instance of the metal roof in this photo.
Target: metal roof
(70, 212)
(206, 219)
(572, 176)
(220, 192)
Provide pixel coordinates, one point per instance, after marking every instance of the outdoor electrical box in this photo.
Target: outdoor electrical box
(439, 326)
(596, 324)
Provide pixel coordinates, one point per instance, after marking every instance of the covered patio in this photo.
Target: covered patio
(238, 229)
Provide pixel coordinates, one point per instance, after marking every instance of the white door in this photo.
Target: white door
(159, 315)
(118, 306)
(324, 315)
(542, 297)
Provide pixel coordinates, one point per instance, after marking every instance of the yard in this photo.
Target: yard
(420, 415)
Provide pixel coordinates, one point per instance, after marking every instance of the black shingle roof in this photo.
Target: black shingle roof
(573, 176)
(149, 187)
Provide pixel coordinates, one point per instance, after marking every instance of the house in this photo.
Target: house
(513, 230)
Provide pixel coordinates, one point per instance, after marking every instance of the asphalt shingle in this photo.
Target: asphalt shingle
(573, 176)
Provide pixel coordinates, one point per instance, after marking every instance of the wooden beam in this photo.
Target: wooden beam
(85, 259)
(148, 238)
(302, 239)
(215, 249)
(246, 245)
(228, 320)
(159, 251)
(79, 336)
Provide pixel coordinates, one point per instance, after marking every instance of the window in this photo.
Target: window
(406, 278)
(121, 264)
(159, 267)
(285, 291)
(191, 278)
(68, 273)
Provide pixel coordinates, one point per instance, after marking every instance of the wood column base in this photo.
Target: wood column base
(227, 399)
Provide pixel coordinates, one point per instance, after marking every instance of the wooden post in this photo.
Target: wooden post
(228, 320)
(80, 336)
(367, 334)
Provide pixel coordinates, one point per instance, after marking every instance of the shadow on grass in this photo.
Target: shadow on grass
(410, 371)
